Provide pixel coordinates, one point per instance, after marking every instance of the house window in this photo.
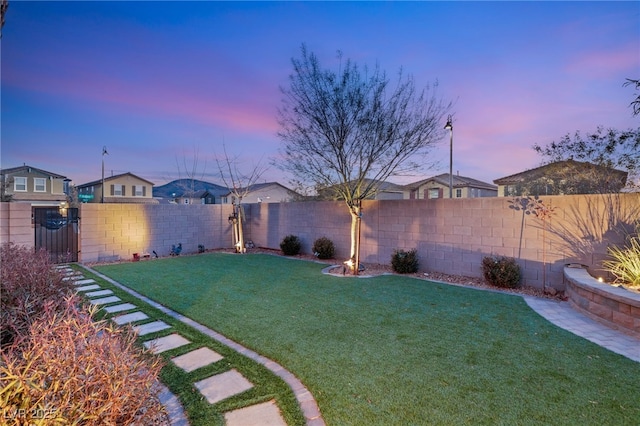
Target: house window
(186, 201)
(434, 193)
(458, 193)
(139, 191)
(117, 190)
(20, 184)
(39, 184)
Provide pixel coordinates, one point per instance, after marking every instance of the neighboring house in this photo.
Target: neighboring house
(122, 188)
(563, 178)
(438, 187)
(268, 192)
(26, 184)
(384, 191)
(190, 191)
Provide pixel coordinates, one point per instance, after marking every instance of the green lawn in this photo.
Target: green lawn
(395, 350)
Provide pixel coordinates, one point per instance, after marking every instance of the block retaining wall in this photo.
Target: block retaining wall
(613, 306)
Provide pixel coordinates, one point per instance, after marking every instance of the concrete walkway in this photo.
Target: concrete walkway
(215, 388)
(562, 315)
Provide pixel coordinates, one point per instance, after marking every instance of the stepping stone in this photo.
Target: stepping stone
(73, 277)
(105, 300)
(83, 282)
(151, 327)
(222, 386)
(265, 414)
(127, 318)
(98, 293)
(119, 308)
(166, 343)
(196, 359)
(88, 287)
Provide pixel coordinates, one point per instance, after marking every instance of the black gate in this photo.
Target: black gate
(56, 230)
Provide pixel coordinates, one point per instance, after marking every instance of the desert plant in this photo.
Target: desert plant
(501, 271)
(28, 282)
(405, 262)
(290, 245)
(72, 370)
(625, 262)
(323, 248)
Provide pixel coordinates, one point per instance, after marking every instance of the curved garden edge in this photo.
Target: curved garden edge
(613, 306)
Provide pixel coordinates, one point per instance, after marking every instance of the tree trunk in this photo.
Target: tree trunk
(356, 220)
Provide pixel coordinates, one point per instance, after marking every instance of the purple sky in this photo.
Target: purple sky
(158, 81)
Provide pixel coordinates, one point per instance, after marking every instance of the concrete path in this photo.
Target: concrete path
(215, 388)
(562, 315)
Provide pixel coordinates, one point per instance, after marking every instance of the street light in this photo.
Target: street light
(449, 126)
(104, 152)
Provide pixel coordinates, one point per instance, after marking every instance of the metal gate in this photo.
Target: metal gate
(56, 230)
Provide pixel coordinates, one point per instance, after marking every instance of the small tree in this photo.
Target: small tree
(348, 130)
(239, 184)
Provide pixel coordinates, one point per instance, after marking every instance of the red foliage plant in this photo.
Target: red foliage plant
(28, 281)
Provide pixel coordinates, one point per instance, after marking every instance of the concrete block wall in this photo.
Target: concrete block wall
(15, 224)
(451, 235)
(454, 235)
(116, 231)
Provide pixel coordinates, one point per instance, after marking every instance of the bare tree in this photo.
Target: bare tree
(348, 130)
(239, 184)
(189, 172)
(635, 104)
(4, 5)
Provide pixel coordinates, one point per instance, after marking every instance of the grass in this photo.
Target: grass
(267, 386)
(394, 350)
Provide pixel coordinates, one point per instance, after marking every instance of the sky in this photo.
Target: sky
(167, 86)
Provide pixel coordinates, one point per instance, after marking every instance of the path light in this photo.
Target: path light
(449, 126)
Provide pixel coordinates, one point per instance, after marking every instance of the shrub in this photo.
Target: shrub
(290, 245)
(71, 369)
(501, 271)
(405, 262)
(625, 262)
(323, 248)
(28, 282)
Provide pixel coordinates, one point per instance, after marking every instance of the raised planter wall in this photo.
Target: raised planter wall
(614, 306)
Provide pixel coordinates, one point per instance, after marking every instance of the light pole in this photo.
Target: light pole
(104, 152)
(449, 126)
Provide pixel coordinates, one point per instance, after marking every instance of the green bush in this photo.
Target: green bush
(625, 262)
(405, 262)
(501, 271)
(323, 248)
(290, 245)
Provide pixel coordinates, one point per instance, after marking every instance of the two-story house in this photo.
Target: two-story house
(27, 184)
(122, 188)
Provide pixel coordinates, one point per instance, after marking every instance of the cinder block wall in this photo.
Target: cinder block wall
(453, 235)
(15, 224)
(116, 231)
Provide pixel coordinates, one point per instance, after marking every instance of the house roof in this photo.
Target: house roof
(30, 169)
(458, 182)
(178, 187)
(260, 186)
(546, 169)
(106, 179)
